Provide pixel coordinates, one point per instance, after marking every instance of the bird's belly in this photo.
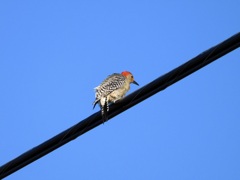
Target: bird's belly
(117, 95)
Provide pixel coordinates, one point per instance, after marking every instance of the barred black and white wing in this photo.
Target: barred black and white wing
(110, 84)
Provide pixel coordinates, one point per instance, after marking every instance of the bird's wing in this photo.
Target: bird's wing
(111, 83)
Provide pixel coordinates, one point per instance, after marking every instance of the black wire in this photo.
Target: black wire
(136, 97)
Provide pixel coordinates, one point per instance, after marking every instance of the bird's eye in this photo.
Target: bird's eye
(131, 76)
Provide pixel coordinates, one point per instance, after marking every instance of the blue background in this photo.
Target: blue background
(52, 55)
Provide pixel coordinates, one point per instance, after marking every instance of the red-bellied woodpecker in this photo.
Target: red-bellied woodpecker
(112, 89)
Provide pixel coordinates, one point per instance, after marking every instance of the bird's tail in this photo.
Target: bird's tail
(104, 110)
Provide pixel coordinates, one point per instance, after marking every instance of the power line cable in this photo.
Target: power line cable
(134, 98)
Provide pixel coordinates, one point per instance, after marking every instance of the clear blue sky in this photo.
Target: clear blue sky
(52, 55)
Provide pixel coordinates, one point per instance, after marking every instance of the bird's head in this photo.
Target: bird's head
(129, 76)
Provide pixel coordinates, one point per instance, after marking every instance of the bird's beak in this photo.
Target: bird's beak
(134, 82)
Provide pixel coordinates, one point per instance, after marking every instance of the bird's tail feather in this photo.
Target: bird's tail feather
(104, 112)
(95, 102)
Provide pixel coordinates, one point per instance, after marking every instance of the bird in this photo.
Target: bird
(111, 90)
